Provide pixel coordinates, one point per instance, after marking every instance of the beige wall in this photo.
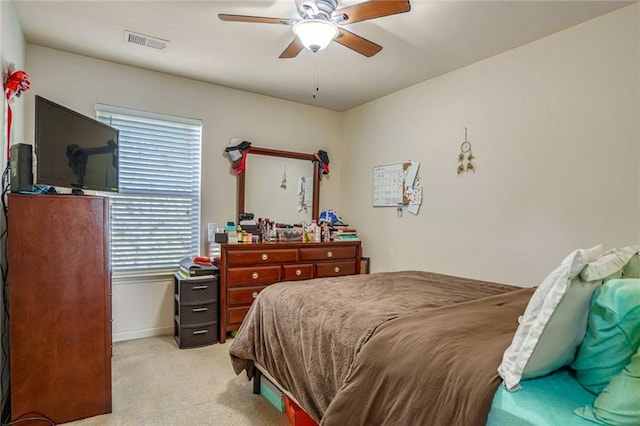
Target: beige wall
(79, 82)
(554, 127)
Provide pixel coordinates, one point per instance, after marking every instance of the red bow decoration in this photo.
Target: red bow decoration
(15, 84)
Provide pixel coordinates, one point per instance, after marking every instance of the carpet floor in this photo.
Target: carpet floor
(155, 383)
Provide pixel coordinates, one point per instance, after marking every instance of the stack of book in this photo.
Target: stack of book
(190, 269)
(343, 233)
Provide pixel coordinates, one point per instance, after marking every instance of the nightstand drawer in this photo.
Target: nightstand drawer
(196, 314)
(244, 295)
(335, 269)
(254, 275)
(194, 291)
(257, 257)
(193, 336)
(297, 272)
(328, 253)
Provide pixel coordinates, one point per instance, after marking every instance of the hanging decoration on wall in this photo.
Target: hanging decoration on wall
(15, 84)
(322, 158)
(238, 154)
(465, 157)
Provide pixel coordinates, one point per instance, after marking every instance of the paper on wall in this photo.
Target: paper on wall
(412, 172)
(413, 188)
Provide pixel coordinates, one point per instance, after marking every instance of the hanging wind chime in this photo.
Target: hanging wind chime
(465, 157)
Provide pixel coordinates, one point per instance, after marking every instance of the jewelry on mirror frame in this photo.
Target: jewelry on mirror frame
(283, 185)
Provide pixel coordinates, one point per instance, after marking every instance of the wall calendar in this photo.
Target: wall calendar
(388, 185)
(397, 185)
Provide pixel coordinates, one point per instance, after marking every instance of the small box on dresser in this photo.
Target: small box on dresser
(195, 310)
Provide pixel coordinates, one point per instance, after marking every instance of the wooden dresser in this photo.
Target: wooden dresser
(246, 269)
(60, 306)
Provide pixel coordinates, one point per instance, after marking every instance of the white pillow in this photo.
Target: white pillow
(608, 263)
(565, 330)
(538, 314)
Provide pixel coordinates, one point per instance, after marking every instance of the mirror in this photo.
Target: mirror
(268, 198)
(280, 189)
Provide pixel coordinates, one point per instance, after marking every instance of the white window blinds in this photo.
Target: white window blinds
(156, 214)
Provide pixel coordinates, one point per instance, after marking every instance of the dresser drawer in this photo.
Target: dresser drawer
(254, 275)
(327, 253)
(257, 257)
(244, 295)
(297, 272)
(235, 316)
(246, 270)
(335, 269)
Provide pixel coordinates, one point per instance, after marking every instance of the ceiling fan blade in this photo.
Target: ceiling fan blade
(357, 43)
(372, 9)
(257, 19)
(293, 49)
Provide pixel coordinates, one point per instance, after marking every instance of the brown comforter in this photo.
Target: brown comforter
(388, 348)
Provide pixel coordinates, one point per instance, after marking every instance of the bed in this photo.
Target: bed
(407, 347)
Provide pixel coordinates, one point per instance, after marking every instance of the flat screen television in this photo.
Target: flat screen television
(73, 150)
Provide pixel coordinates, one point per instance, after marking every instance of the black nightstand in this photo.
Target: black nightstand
(195, 310)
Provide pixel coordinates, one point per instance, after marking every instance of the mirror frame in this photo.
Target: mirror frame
(315, 207)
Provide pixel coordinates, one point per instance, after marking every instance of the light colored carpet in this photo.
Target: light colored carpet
(155, 383)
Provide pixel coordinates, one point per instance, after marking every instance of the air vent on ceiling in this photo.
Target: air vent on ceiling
(146, 41)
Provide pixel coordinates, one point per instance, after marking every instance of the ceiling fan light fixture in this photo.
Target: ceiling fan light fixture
(315, 34)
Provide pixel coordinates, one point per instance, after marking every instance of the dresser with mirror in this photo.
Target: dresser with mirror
(247, 269)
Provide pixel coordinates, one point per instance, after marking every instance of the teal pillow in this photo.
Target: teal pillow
(619, 402)
(613, 333)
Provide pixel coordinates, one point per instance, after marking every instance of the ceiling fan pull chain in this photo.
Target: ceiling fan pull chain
(316, 83)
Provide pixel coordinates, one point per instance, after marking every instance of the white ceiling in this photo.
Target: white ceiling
(433, 38)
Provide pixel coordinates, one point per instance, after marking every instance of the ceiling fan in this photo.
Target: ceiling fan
(321, 23)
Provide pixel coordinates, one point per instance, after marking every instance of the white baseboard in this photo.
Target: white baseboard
(139, 334)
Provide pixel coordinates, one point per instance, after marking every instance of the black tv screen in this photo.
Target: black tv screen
(73, 150)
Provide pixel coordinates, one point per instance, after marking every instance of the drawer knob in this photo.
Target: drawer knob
(336, 269)
(199, 309)
(254, 294)
(200, 332)
(265, 256)
(329, 254)
(298, 272)
(254, 275)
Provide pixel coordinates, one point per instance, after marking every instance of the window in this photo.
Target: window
(155, 217)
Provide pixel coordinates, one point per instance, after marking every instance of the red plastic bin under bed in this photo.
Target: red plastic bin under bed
(297, 416)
